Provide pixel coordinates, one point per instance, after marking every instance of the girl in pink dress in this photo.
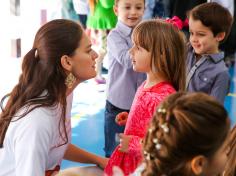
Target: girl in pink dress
(159, 51)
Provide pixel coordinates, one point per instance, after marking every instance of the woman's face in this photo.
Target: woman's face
(83, 60)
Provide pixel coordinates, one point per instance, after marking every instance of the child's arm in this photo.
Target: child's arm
(220, 87)
(119, 49)
(129, 142)
(124, 142)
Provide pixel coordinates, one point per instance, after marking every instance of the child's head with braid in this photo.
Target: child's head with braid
(187, 137)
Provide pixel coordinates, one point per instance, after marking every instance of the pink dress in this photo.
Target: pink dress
(142, 110)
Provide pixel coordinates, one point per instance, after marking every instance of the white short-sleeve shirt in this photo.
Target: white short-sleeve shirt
(31, 143)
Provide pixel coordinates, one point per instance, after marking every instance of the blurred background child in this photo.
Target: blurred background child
(82, 9)
(101, 20)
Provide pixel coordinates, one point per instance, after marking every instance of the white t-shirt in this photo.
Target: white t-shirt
(30, 145)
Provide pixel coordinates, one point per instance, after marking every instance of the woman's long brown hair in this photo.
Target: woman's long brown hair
(42, 72)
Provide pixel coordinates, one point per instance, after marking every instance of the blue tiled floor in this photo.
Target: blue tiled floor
(87, 119)
(88, 110)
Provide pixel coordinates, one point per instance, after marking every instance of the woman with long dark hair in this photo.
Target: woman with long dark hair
(34, 123)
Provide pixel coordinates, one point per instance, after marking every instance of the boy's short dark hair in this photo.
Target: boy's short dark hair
(214, 16)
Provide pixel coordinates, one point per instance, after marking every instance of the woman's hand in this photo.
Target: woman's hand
(102, 162)
(121, 118)
(124, 142)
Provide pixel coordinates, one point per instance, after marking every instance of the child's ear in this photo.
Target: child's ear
(66, 63)
(115, 8)
(220, 36)
(198, 164)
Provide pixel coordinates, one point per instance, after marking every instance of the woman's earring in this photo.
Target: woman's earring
(70, 80)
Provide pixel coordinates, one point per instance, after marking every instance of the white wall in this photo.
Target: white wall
(25, 27)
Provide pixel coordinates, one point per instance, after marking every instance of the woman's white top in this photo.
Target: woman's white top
(31, 143)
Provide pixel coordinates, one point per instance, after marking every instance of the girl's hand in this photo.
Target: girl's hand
(124, 142)
(102, 162)
(121, 118)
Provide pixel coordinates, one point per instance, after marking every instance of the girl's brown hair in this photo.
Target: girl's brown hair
(167, 47)
(42, 71)
(195, 124)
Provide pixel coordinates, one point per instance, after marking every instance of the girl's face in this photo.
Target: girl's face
(141, 59)
(83, 60)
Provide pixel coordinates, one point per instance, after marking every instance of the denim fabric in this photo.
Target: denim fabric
(83, 19)
(111, 128)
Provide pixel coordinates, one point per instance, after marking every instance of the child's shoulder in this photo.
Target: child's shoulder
(160, 92)
(221, 66)
(117, 34)
(163, 88)
(167, 88)
(113, 32)
(214, 66)
(122, 30)
(217, 60)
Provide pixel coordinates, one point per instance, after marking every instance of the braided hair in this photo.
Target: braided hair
(169, 146)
